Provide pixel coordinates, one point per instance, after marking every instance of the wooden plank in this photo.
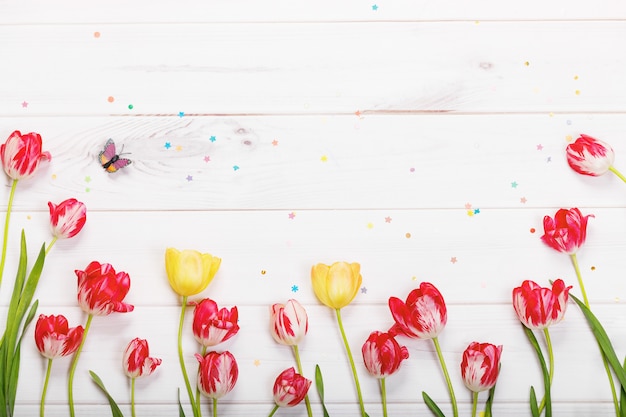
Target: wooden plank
(266, 256)
(317, 68)
(260, 360)
(116, 11)
(321, 162)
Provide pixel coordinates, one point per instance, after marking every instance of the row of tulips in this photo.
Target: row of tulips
(101, 291)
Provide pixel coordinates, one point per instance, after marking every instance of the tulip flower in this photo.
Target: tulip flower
(423, 316)
(20, 156)
(290, 388)
(479, 368)
(566, 233)
(212, 326)
(54, 338)
(336, 286)
(189, 272)
(538, 307)
(382, 355)
(289, 324)
(137, 363)
(101, 291)
(67, 218)
(590, 156)
(217, 375)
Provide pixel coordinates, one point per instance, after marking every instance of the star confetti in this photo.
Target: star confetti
(207, 158)
(257, 362)
(275, 142)
(453, 260)
(540, 147)
(167, 145)
(181, 113)
(387, 219)
(179, 148)
(363, 290)
(292, 215)
(189, 178)
(235, 167)
(324, 158)
(375, 7)
(514, 184)
(294, 288)
(468, 206)
(212, 139)
(523, 200)
(24, 104)
(476, 211)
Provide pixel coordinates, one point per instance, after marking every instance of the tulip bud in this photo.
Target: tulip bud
(21, 155)
(289, 323)
(382, 354)
(217, 374)
(480, 366)
(67, 218)
(137, 361)
(590, 156)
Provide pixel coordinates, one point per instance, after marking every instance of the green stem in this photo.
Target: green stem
(356, 377)
(455, 410)
(604, 360)
(307, 402)
(6, 228)
(52, 242)
(616, 172)
(198, 389)
(546, 334)
(132, 397)
(273, 410)
(475, 403)
(214, 407)
(42, 406)
(383, 394)
(70, 381)
(181, 358)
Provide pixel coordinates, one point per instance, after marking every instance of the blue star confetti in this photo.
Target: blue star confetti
(294, 288)
(235, 167)
(181, 113)
(167, 145)
(212, 138)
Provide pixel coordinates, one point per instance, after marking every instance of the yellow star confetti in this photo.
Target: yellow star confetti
(257, 362)
(370, 225)
(324, 158)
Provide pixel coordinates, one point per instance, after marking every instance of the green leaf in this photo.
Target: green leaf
(544, 369)
(534, 409)
(181, 412)
(603, 341)
(432, 406)
(622, 399)
(319, 384)
(31, 283)
(115, 410)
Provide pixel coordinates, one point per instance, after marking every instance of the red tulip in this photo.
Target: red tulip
(217, 374)
(567, 231)
(289, 322)
(290, 388)
(538, 307)
(382, 354)
(21, 155)
(67, 218)
(480, 366)
(101, 291)
(137, 361)
(589, 156)
(54, 337)
(424, 314)
(212, 326)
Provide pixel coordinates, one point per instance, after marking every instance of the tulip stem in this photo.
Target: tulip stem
(132, 397)
(383, 394)
(546, 334)
(181, 358)
(307, 402)
(70, 381)
(356, 377)
(42, 406)
(52, 242)
(198, 399)
(214, 407)
(616, 172)
(273, 410)
(455, 410)
(475, 403)
(604, 360)
(6, 228)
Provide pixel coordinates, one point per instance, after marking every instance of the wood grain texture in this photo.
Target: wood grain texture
(424, 140)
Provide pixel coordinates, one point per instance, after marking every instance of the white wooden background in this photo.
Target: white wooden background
(373, 127)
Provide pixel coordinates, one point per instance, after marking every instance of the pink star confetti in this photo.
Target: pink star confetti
(387, 219)
(275, 142)
(468, 206)
(540, 147)
(207, 158)
(453, 259)
(523, 200)
(292, 215)
(24, 104)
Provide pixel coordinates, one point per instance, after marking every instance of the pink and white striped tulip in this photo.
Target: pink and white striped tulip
(590, 156)
(480, 366)
(538, 307)
(289, 322)
(67, 218)
(423, 315)
(137, 361)
(217, 374)
(382, 354)
(290, 388)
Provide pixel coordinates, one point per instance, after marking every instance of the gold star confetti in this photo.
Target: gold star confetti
(54, 176)
(370, 225)
(179, 148)
(324, 158)
(257, 362)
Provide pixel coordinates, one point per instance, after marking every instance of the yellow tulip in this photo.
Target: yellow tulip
(336, 285)
(189, 271)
